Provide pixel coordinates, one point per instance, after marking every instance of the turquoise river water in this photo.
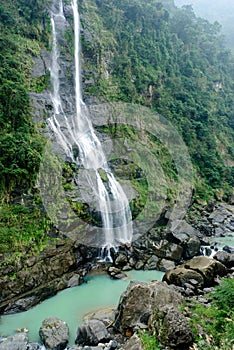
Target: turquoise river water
(72, 304)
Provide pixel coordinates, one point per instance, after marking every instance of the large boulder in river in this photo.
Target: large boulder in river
(202, 269)
(54, 333)
(91, 333)
(138, 303)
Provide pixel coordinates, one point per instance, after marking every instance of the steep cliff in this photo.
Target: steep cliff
(147, 54)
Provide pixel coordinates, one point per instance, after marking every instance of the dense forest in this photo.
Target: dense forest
(175, 63)
(24, 30)
(155, 54)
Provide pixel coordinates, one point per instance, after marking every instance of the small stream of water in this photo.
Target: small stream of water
(71, 305)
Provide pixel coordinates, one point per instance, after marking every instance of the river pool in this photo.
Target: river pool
(71, 305)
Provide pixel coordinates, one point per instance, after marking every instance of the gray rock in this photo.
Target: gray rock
(218, 216)
(132, 262)
(76, 347)
(134, 343)
(74, 281)
(138, 303)
(24, 304)
(172, 328)
(168, 250)
(46, 275)
(181, 276)
(192, 247)
(121, 260)
(165, 265)
(92, 333)
(41, 64)
(112, 345)
(54, 333)
(219, 232)
(152, 263)
(68, 11)
(116, 273)
(15, 342)
(139, 265)
(230, 227)
(182, 231)
(126, 268)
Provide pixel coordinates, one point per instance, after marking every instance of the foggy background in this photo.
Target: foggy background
(215, 10)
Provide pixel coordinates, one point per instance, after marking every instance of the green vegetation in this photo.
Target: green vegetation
(213, 325)
(22, 228)
(39, 84)
(24, 29)
(149, 341)
(175, 63)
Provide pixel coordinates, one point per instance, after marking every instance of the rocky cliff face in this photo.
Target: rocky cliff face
(33, 278)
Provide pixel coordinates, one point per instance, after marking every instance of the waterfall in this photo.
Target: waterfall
(77, 131)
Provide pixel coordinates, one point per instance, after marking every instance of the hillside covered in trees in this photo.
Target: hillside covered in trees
(173, 62)
(148, 53)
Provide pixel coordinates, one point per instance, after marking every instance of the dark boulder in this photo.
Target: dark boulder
(228, 249)
(92, 333)
(192, 247)
(168, 250)
(34, 346)
(225, 258)
(172, 328)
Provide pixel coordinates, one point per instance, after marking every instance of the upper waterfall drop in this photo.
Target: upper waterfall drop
(79, 101)
(76, 130)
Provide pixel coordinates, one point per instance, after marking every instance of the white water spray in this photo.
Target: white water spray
(78, 131)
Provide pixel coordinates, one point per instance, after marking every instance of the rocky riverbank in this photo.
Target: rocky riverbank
(158, 308)
(27, 281)
(30, 279)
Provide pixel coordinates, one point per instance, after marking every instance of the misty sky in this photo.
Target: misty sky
(215, 10)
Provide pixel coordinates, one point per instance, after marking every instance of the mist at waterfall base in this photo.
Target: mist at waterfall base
(77, 132)
(72, 304)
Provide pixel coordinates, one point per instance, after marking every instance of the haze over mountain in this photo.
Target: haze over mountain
(215, 10)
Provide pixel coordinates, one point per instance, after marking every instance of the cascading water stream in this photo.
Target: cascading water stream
(78, 131)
